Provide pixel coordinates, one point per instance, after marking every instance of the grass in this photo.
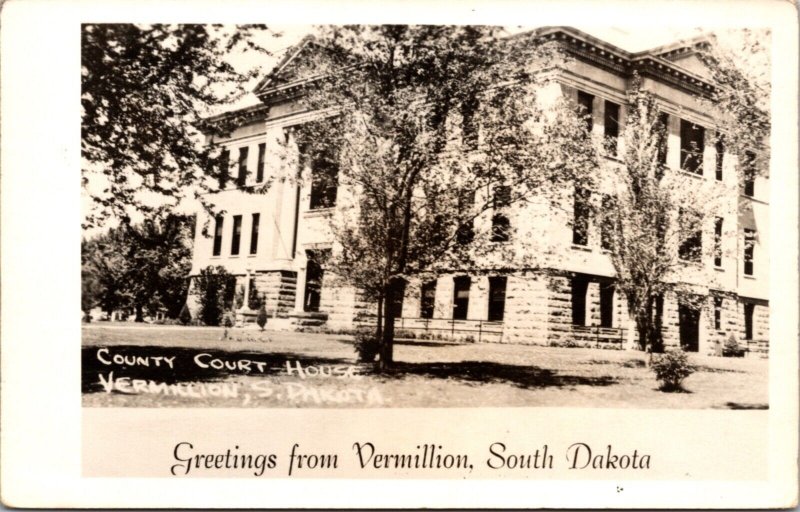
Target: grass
(426, 375)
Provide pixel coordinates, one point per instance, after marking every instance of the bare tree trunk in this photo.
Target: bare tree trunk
(379, 324)
(387, 343)
(139, 313)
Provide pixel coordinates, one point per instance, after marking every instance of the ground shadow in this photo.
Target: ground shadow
(141, 362)
(742, 407)
(483, 372)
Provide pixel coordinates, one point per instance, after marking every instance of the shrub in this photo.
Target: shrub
(367, 347)
(261, 319)
(215, 289)
(185, 315)
(671, 368)
(87, 318)
(228, 320)
(732, 348)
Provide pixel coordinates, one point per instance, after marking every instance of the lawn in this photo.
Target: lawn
(172, 366)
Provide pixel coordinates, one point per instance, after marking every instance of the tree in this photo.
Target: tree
(426, 125)
(215, 289)
(143, 267)
(144, 92)
(656, 217)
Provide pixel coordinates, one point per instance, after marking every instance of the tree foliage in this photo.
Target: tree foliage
(428, 124)
(142, 267)
(215, 289)
(144, 92)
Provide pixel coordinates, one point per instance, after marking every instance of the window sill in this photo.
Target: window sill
(319, 212)
(691, 263)
(252, 255)
(719, 269)
(584, 248)
(690, 174)
(752, 278)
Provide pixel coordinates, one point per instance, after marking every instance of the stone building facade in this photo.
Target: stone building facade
(275, 242)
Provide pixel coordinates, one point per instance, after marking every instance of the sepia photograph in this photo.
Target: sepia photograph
(425, 216)
(399, 255)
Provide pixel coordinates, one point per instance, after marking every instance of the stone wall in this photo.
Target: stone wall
(278, 291)
(525, 318)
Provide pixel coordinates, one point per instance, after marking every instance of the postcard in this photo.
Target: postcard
(340, 255)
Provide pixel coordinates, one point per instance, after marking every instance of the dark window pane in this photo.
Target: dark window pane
(314, 275)
(224, 168)
(692, 245)
(497, 298)
(461, 297)
(718, 242)
(254, 233)
(720, 147)
(237, 234)
(469, 123)
(606, 305)
(579, 287)
(262, 149)
(586, 104)
(749, 173)
(580, 227)
(749, 309)
(241, 177)
(717, 313)
(611, 119)
(465, 232)
(662, 132)
(607, 225)
(428, 299)
(749, 248)
(692, 145)
(218, 222)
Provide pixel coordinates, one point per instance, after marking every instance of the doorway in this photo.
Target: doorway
(689, 321)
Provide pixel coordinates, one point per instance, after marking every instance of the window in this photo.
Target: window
(717, 313)
(749, 248)
(324, 181)
(718, 242)
(607, 226)
(466, 232)
(254, 233)
(237, 234)
(241, 177)
(461, 297)
(749, 309)
(662, 132)
(720, 147)
(396, 306)
(692, 245)
(580, 225)
(611, 121)
(501, 226)
(314, 275)
(606, 305)
(224, 168)
(469, 123)
(262, 149)
(579, 287)
(749, 172)
(586, 101)
(218, 221)
(428, 299)
(692, 146)
(497, 298)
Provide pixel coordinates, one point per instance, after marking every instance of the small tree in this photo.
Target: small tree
(671, 369)
(215, 289)
(261, 319)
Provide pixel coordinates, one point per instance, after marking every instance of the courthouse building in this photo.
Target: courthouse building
(273, 242)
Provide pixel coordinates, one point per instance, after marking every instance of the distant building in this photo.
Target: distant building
(273, 242)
